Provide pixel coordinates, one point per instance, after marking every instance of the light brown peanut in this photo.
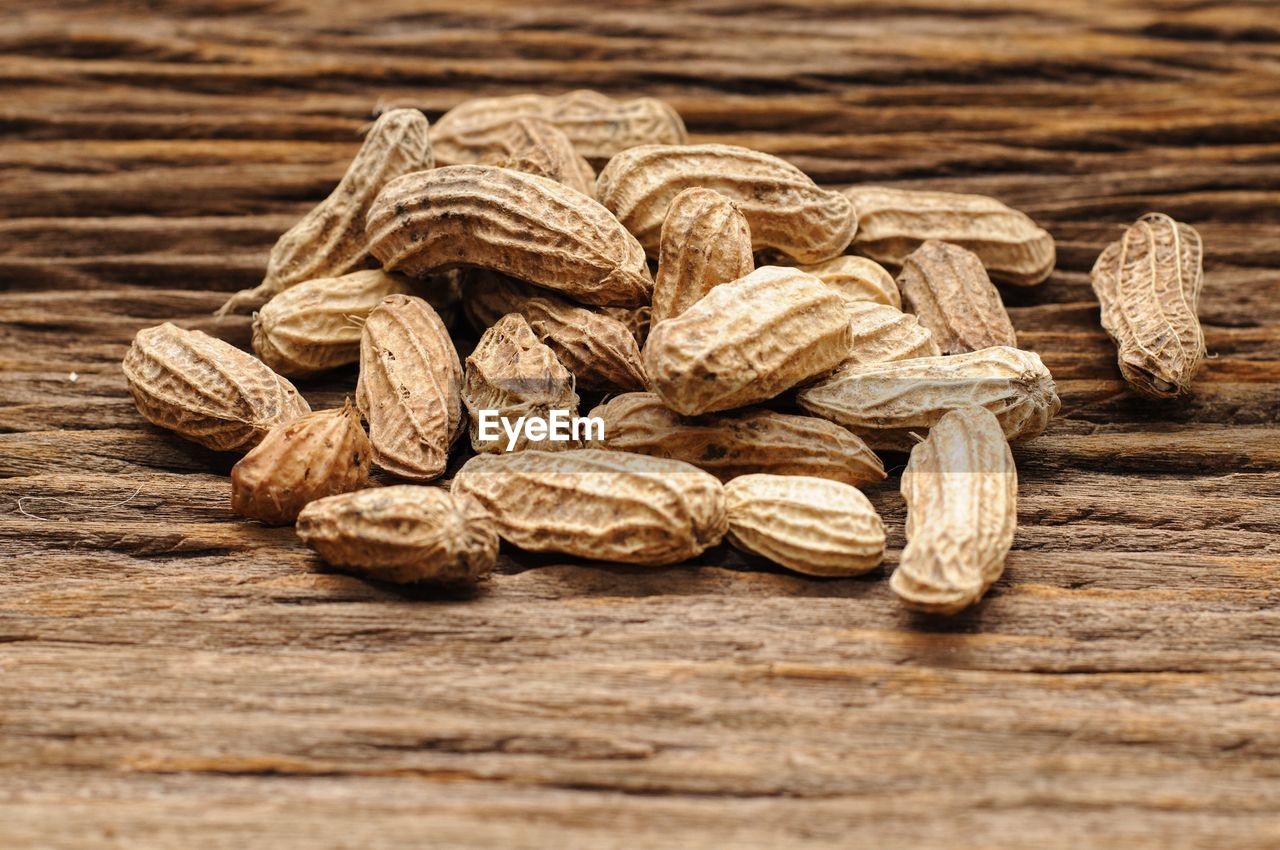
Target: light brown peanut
(705, 241)
(207, 390)
(785, 209)
(512, 372)
(893, 222)
(539, 147)
(596, 347)
(961, 490)
(733, 444)
(882, 334)
(885, 403)
(409, 388)
(321, 454)
(949, 291)
(597, 504)
(523, 225)
(330, 240)
(857, 279)
(598, 126)
(747, 341)
(1148, 284)
(811, 525)
(402, 534)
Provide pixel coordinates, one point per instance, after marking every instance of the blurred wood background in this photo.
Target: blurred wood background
(171, 676)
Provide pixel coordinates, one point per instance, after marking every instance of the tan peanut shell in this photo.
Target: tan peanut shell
(409, 388)
(512, 372)
(321, 454)
(731, 444)
(316, 325)
(598, 126)
(597, 348)
(885, 403)
(893, 222)
(597, 504)
(207, 390)
(637, 320)
(785, 210)
(857, 279)
(402, 534)
(961, 490)
(811, 525)
(1148, 284)
(747, 341)
(949, 291)
(705, 241)
(330, 240)
(539, 147)
(882, 334)
(523, 225)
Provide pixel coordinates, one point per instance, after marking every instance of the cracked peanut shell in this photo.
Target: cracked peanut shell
(948, 289)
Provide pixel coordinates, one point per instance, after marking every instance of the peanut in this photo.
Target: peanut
(811, 525)
(603, 505)
(857, 279)
(747, 341)
(1148, 284)
(402, 534)
(539, 147)
(949, 291)
(961, 489)
(321, 454)
(207, 390)
(882, 334)
(705, 241)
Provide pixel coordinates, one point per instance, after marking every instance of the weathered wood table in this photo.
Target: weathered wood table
(171, 676)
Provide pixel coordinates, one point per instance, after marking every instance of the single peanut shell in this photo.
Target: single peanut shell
(330, 240)
(513, 373)
(598, 126)
(894, 222)
(207, 390)
(402, 534)
(784, 209)
(705, 242)
(1148, 284)
(522, 225)
(811, 525)
(597, 504)
(536, 146)
(882, 334)
(857, 279)
(731, 444)
(409, 388)
(886, 403)
(961, 490)
(949, 291)
(747, 341)
(321, 454)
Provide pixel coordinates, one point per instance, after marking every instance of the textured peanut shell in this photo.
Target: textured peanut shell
(949, 291)
(513, 372)
(857, 279)
(785, 210)
(747, 341)
(597, 348)
(705, 241)
(731, 444)
(598, 126)
(811, 525)
(961, 490)
(523, 225)
(637, 320)
(894, 222)
(330, 240)
(1148, 284)
(885, 403)
(597, 504)
(321, 454)
(882, 334)
(402, 534)
(409, 388)
(539, 147)
(207, 390)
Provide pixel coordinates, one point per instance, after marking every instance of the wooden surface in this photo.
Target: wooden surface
(170, 676)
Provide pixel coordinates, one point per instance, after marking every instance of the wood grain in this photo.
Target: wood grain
(174, 677)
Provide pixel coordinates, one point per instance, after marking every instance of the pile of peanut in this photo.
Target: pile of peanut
(739, 324)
